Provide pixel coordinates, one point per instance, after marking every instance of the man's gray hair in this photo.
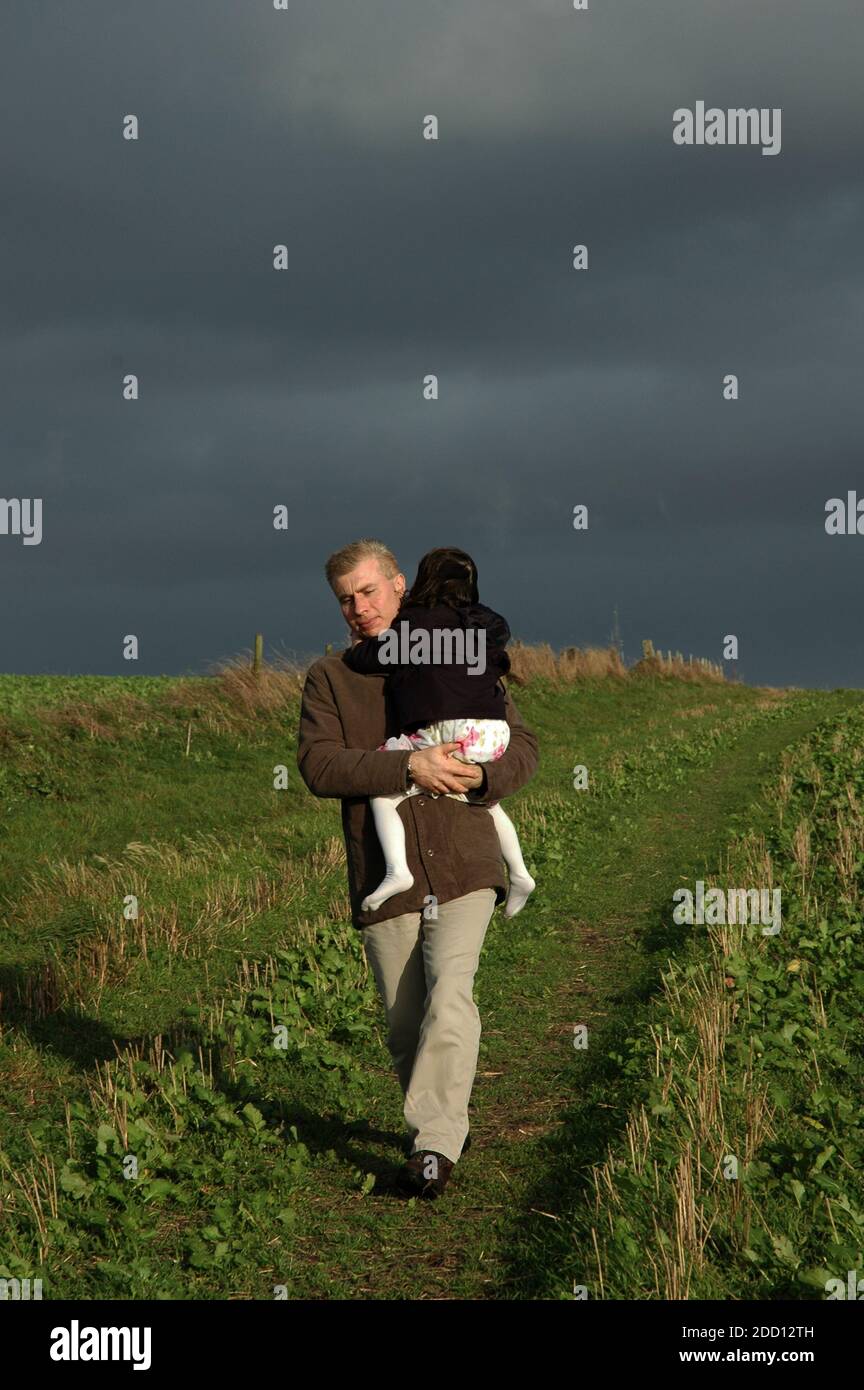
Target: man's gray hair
(348, 558)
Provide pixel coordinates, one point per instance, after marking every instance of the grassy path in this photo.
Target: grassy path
(542, 1114)
(156, 801)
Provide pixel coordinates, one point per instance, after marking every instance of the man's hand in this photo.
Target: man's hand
(434, 770)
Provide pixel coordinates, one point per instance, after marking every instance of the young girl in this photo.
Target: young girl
(443, 703)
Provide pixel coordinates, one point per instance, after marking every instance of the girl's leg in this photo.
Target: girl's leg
(521, 882)
(391, 834)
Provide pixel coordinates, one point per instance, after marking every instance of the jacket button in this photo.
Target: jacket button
(430, 851)
(420, 803)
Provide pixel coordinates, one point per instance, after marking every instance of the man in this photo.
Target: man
(423, 945)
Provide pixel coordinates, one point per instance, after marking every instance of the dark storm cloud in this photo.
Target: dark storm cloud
(408, 257)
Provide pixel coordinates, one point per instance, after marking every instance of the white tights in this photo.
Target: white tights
(398, 878)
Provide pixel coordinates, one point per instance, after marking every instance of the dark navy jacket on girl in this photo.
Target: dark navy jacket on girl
(424, 693)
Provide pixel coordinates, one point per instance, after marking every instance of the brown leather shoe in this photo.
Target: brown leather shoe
(407, 1145)
(426, 1174)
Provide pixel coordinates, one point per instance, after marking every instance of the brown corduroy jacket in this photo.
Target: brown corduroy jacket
(452, 846)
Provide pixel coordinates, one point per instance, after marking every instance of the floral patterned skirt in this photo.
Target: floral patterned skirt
(480, 740)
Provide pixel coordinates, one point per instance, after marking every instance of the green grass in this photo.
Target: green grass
(229, 1037)
(22, 694)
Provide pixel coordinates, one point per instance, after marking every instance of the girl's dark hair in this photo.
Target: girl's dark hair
(445, 576)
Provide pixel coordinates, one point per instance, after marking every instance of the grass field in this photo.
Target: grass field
(197, 1099)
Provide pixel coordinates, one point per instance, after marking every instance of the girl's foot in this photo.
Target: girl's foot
(390, 885)
(521, 889)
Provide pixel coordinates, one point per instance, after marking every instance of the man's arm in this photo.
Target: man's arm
(516, 767)
(364, 656)
(326, 765)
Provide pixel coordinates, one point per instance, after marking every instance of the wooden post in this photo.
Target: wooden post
(259, 653)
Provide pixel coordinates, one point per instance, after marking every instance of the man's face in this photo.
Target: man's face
(368, 599)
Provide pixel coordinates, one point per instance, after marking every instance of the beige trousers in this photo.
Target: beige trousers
(425, 975)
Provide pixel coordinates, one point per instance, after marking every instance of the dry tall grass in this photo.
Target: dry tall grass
(675, 666)
(709, 1136)
(528, 662)
(277, 684)
(218, 907)
(576, 664)
(273, 687)
(236, 693)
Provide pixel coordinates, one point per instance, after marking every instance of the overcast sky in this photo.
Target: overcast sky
(407, 257)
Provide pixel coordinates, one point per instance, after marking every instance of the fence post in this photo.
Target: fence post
(259, 652)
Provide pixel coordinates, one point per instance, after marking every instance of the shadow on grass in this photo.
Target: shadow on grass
(29, 999)
(29, 1002)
